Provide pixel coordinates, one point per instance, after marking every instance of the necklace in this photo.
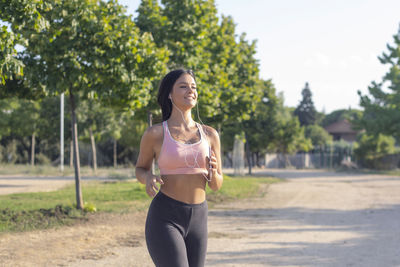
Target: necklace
(187, 140)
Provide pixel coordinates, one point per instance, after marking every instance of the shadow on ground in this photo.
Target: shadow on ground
(371, 237)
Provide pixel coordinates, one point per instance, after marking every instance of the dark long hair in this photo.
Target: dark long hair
(165, 89)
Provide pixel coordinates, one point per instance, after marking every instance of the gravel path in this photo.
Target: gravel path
(315, 218)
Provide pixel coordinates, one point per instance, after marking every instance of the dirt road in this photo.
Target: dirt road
(314, 219)
(10, 184)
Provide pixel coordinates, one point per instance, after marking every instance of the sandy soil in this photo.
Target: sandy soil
(315, 218)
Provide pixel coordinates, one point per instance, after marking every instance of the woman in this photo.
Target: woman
(188, 156)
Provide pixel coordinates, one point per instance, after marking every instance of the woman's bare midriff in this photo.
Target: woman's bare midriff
(188, 188)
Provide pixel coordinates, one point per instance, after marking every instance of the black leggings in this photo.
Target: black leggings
(176, 232)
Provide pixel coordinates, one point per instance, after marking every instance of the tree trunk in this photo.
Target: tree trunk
(258, 159)
(149, 118)
(248, 154)
(94, 155)
(71, 154)
(74, 129)
(115, 153)
(33, 150)
(230, 160)
(287, 161)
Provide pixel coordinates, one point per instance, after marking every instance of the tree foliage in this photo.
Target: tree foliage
(260, 128)
(226, 69)
(90, 50)
(306, 111)
(318, 135)
(99, 57)
(370, 149)
(352, 115)
(382, 104)
(285, 135)
(18, 15)
(9, 65)
(289, 136)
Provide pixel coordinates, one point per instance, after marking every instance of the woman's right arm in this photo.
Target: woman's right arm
(145, 161)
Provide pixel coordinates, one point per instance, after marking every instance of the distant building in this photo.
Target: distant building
(342, 130)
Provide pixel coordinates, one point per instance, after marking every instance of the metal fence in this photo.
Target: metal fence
(306, 160)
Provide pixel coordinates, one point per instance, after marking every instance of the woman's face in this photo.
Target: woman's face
(184, 93)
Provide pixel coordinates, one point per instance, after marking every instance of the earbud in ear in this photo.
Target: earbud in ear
(169, 97)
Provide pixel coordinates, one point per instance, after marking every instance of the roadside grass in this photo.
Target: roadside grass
(239, 188)
(395, 172)
(30, 211)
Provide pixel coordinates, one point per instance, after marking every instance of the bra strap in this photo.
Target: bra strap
(165, 127)
(204, 136)
(202, 132)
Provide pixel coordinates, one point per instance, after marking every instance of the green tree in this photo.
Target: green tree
(260, 128)
(149, 20)
(9, 65)
(91, 49)
(382, 105)
(49, 127)
(182, 27)
(289, 135)
(318, 135)
(306, 111)
(24, 122)
(99, 122)
(234, 76)
(131, 132)
(369, 149)
(226, 69)
(15, 16)
(186, 32)
(238, 85)
(92, 117)
(6, 107)
(113, 129)
(18, 14)
(20, 121)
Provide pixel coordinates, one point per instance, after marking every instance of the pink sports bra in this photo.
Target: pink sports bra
(179, 158)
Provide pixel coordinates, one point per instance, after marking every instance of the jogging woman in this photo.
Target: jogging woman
(189, 159)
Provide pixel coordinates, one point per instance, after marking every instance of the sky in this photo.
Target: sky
(333, 44)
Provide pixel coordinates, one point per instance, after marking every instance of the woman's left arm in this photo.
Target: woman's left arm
(215, 165)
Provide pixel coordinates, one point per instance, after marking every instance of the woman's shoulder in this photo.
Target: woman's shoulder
(154, 132)
(210, 131)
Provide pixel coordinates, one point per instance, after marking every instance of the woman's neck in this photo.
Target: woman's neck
(182, 118)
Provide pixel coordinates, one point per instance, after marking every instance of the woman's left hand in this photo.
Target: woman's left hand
(212, 165)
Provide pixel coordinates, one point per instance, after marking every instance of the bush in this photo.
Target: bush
(10, 152)
(373, 151)
(89, 207)
(318, 135)
(42, 159)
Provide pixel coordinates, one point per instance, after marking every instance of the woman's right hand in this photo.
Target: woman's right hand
(151, 184)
